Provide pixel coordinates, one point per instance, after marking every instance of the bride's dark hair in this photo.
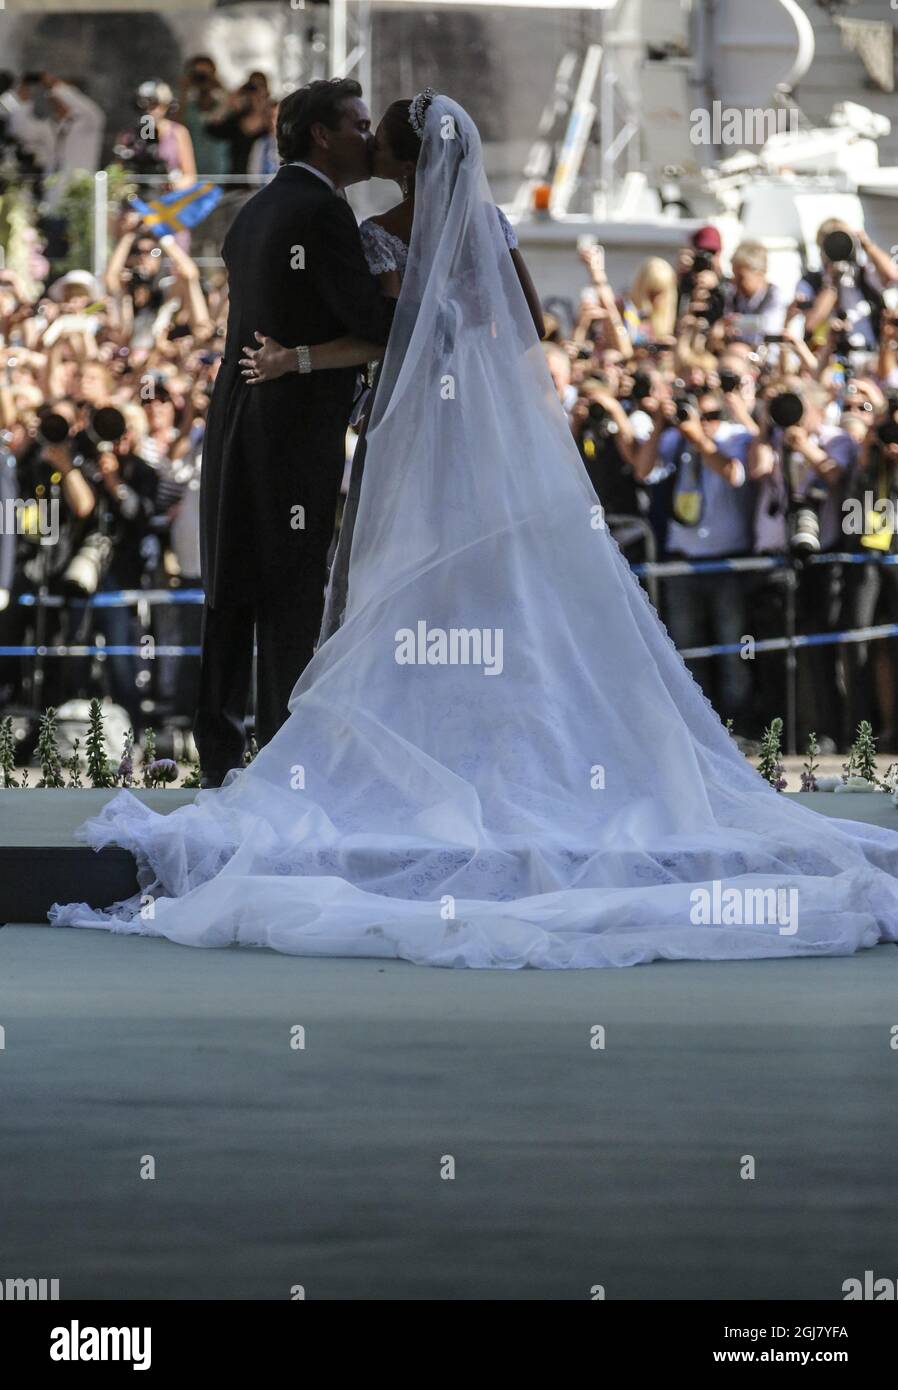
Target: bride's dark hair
(404, 143)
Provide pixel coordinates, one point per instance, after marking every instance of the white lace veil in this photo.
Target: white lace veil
(475, 505)
(546, 786)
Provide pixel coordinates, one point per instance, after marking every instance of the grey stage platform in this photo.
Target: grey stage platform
(41, 862)
(321, 1166)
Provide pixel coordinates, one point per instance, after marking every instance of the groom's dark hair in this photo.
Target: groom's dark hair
(320, 101)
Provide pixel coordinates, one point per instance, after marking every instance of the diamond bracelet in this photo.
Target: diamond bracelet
(303, 359)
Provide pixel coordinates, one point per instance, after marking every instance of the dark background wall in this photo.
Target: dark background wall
(498, 63)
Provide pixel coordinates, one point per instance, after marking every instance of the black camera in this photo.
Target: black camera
(839, 247)
(729, 381)
(93, 557)
(702, 260)
(803, 507)
(603, 425)
(104, 429)
(53, 428)
(642, 386)
(786, 409)
(685, 405)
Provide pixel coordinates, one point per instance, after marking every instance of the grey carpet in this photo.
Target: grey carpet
(320, 1167)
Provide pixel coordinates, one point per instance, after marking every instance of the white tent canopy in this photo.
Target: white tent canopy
(169, 6)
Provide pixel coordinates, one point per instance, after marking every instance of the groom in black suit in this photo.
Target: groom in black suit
(273, 455)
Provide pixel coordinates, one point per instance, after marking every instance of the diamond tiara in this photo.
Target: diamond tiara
(417, 110)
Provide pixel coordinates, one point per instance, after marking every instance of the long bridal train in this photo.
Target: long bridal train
(569, 800)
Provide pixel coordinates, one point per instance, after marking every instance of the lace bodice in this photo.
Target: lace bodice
(384, 251)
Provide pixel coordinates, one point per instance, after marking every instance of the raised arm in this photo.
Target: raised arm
(530, 291)
(188, 270)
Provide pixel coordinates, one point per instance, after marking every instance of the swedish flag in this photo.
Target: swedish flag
(179, 210)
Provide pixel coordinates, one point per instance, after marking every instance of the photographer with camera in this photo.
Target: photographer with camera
(754, 307)
(870, 525)
(607, 441)
(125, 487)
(47, 476)
(698, 454)
(801, 465)
(152, 286)
(737, 377)
(848, 288)
(701, 278)
(240, 119)
(156, 143)
(201, 94)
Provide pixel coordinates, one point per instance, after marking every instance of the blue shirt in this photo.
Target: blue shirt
(725, 527)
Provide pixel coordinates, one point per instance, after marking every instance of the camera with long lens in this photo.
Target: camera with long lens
(104, 430)
(840, 249)
(85, 570)
(603, 425)
(802, 507)
(53, 428)
(642, 386)
(685, 403)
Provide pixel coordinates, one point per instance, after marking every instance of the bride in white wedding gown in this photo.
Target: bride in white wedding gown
(498, 759)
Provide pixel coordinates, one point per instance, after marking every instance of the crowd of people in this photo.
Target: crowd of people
(54, 129)
(718, 417)
(103, 397)
(721, 418)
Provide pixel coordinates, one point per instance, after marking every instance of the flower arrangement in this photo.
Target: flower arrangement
(770, 765)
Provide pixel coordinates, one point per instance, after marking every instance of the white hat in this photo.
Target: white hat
(75, 277)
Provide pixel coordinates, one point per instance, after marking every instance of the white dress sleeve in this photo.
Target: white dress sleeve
(377, 248)
(511, 240)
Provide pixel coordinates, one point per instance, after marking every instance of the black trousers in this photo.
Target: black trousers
(285, 645)
(285, 568)
(286, 623)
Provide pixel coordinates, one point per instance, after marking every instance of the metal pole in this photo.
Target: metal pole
(337, 37)
(791, 662)
(606, 134)
(101, 228)
(365, 27)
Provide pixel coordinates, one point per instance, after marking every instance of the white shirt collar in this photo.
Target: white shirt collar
(301, 164)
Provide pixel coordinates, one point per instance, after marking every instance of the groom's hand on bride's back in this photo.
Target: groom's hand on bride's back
(267, 361)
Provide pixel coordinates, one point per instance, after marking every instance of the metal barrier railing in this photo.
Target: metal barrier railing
(639, 523)
(790, 643)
